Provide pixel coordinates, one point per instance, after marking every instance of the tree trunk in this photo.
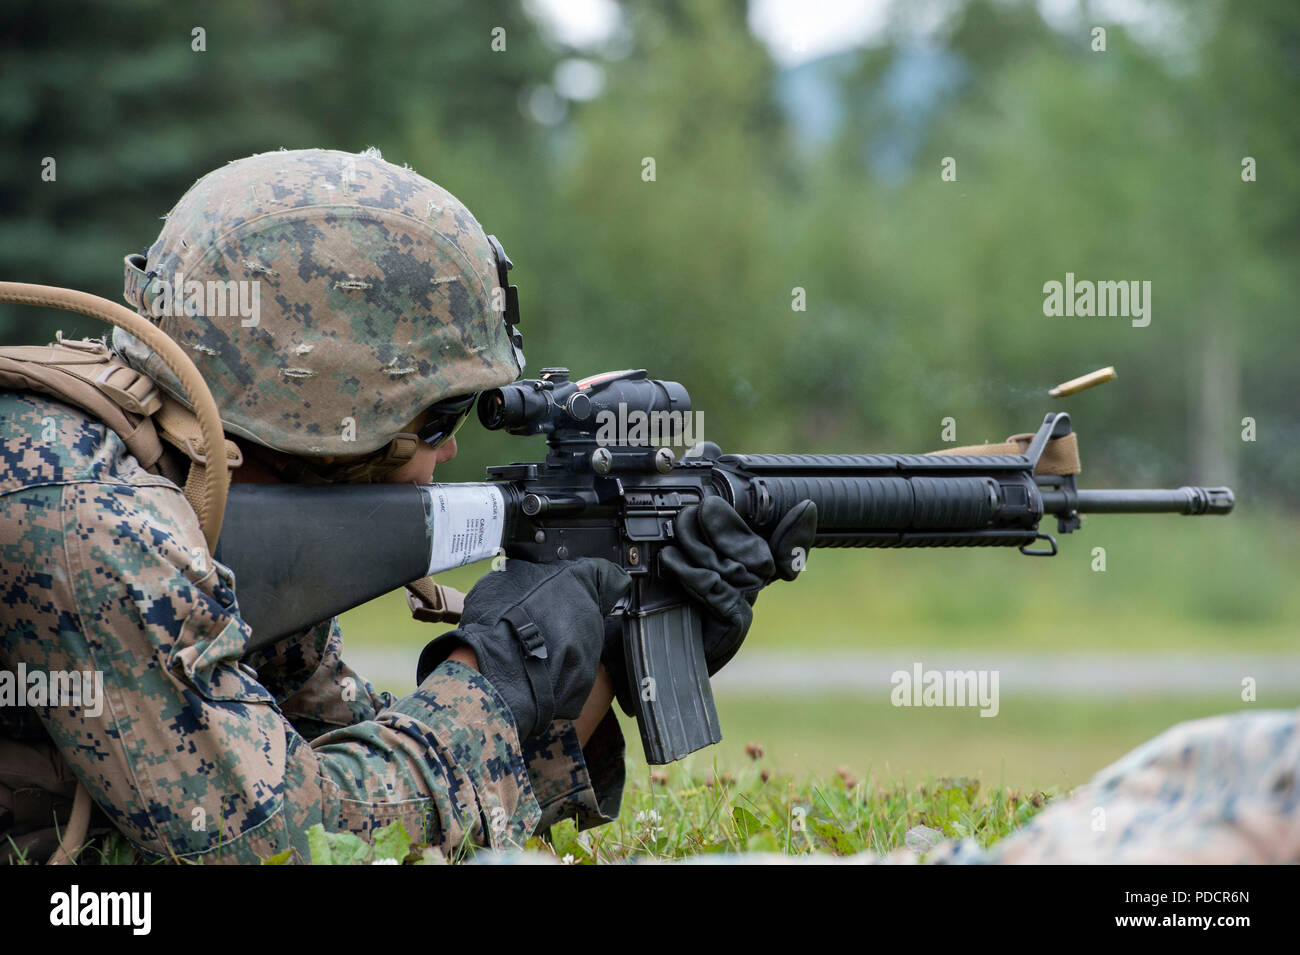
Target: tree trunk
(1218, 422)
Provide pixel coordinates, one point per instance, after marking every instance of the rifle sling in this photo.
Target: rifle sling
(432, 602)
(1060, 456)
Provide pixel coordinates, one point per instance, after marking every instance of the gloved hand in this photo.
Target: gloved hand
(538, 631)
(723, 565)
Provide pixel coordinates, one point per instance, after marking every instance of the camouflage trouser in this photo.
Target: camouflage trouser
(195, 753)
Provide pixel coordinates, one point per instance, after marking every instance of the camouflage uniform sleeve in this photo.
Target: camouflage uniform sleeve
(573, 782)
(453, 738)
(317, 692)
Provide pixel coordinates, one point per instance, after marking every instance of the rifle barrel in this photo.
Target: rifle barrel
(1182, 500)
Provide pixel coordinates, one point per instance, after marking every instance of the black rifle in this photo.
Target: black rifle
(593, 498)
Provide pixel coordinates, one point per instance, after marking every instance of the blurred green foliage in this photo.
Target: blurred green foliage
(924, 297)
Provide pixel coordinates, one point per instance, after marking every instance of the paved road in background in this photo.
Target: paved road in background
(1078, 675)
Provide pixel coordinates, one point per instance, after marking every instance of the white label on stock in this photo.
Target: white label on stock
(466, 522)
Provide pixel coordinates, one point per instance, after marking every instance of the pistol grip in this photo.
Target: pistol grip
(672, 697)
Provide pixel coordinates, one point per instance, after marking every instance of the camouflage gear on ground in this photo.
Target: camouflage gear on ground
(377, 294)
(201, 754)
(1218, 791)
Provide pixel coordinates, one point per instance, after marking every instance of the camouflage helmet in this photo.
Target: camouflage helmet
(328, 298)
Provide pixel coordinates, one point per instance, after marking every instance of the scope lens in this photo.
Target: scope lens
(492, 409)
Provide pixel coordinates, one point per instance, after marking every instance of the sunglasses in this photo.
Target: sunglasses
(444, 418)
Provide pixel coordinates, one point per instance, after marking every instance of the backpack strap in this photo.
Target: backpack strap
(87, 375)
(179, 427)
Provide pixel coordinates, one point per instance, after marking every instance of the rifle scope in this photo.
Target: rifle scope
(553, 403)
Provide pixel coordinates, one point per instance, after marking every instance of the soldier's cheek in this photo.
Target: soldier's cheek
(447, 451)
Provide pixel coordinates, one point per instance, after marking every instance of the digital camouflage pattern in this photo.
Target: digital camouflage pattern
(375, 292)
(201, 755)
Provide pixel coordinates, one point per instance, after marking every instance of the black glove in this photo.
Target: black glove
(538, 631)
(723, 565)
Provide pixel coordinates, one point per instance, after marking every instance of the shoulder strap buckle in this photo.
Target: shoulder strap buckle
(130, 389)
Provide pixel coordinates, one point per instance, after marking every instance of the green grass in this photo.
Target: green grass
(840, 777)
(693, 813)
(1171, 583)
(751, 811)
